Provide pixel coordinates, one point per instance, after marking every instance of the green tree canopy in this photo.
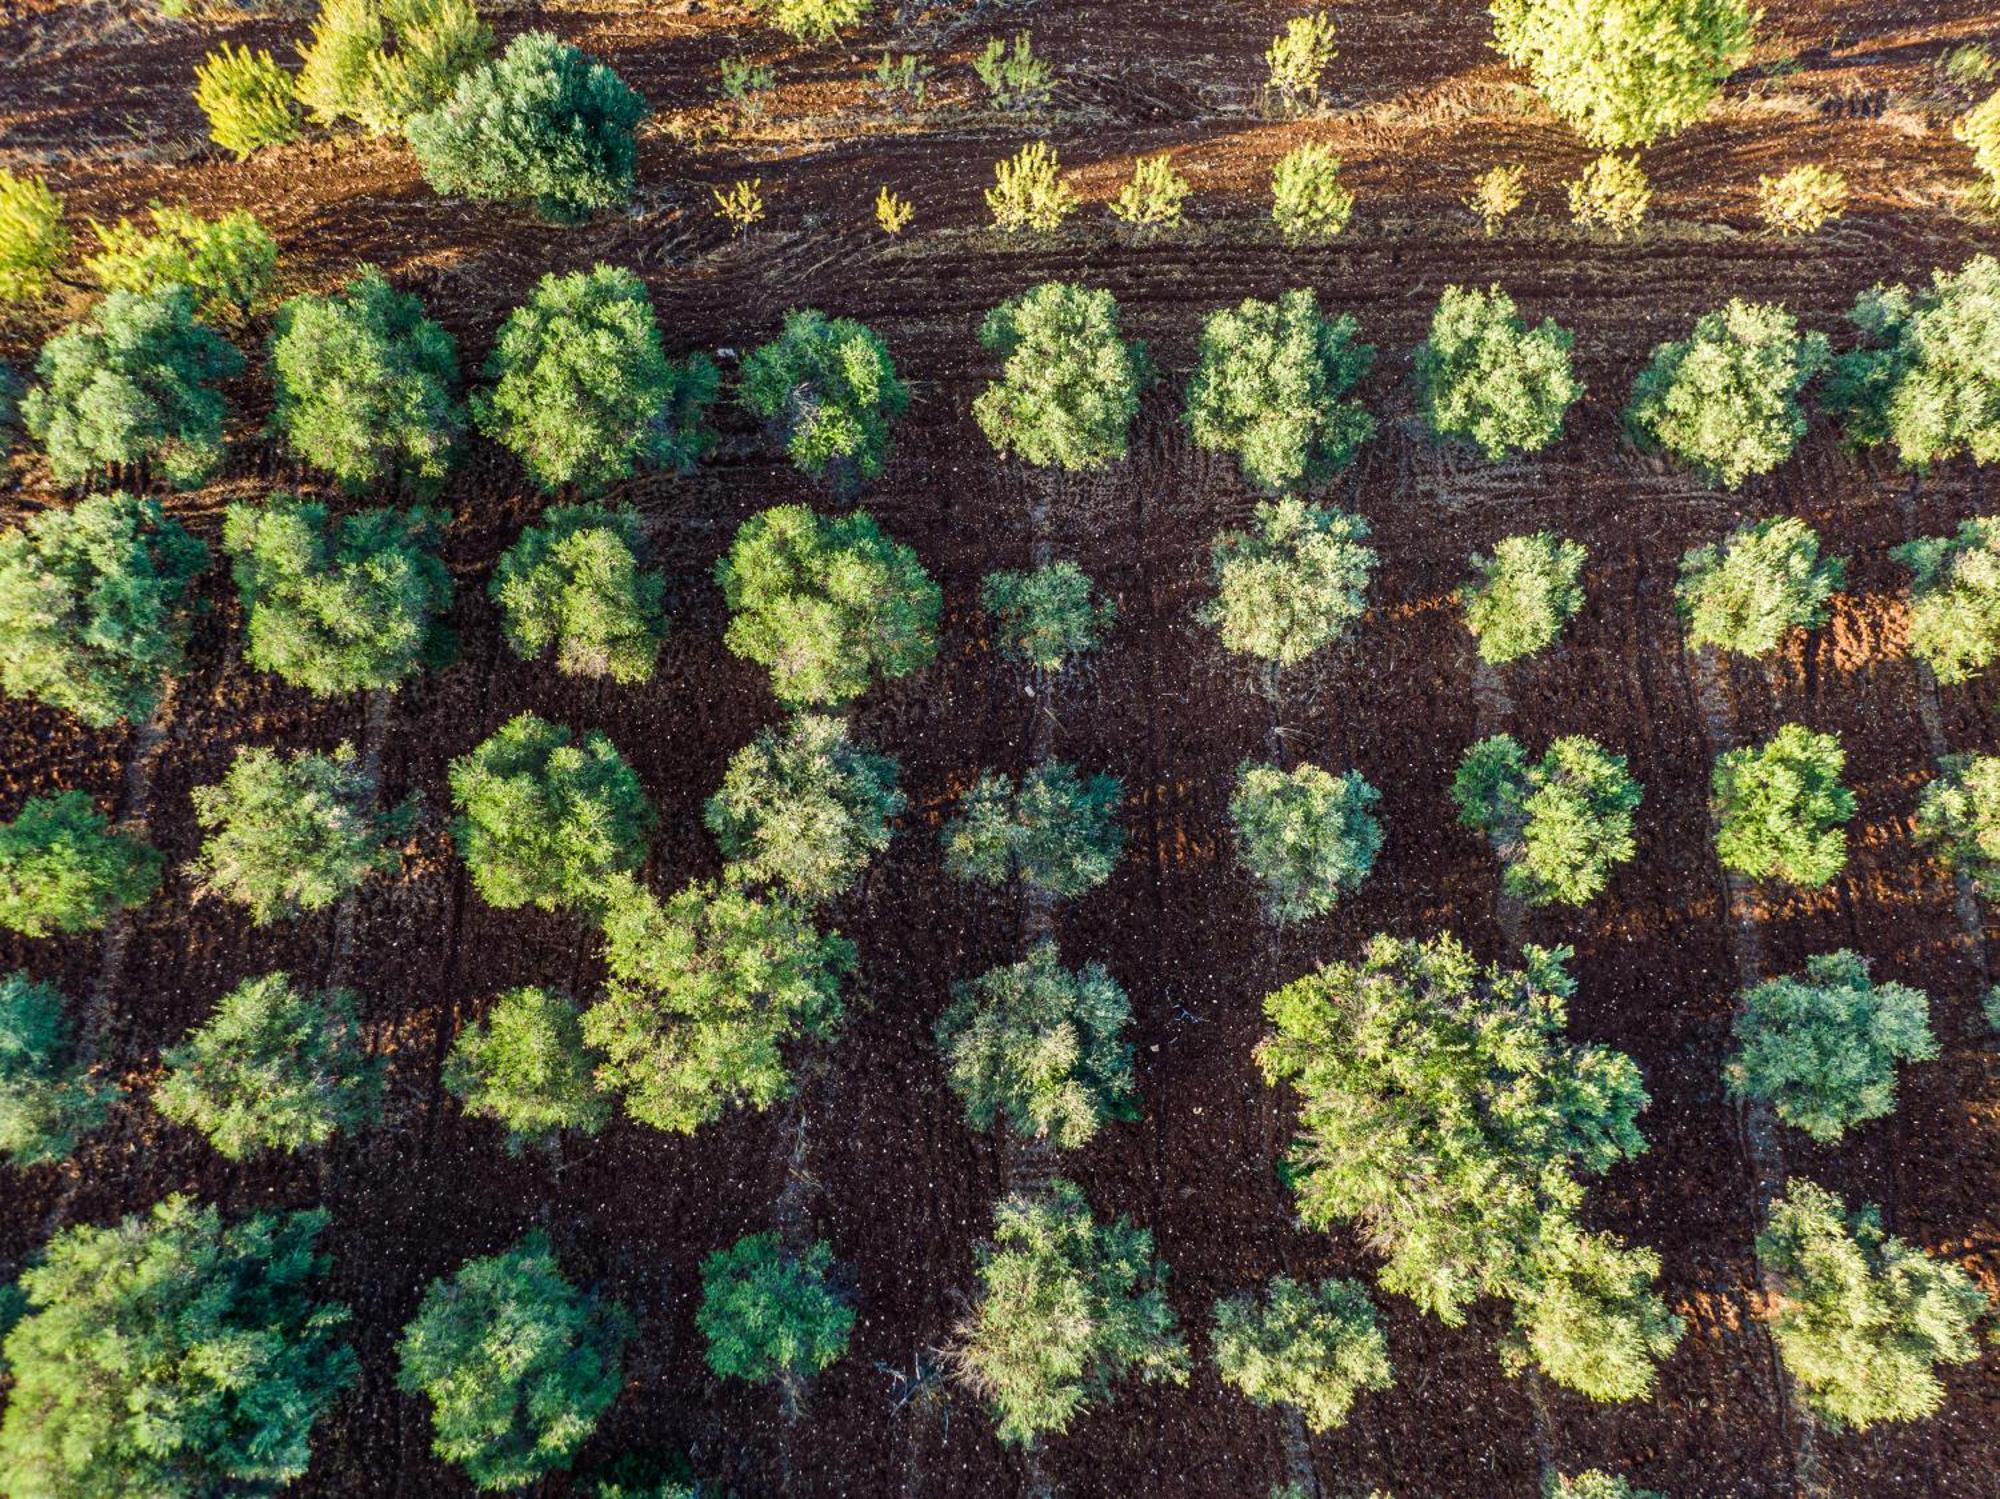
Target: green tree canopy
(828, 391)
(1055, 830)
(1561, 824)
(1594, 1483)
(1048, 617)
(1308, 836)
(1272, 384)
(767, 1315)
(576, 583)
(525, 1066)
(546, 821)
(826, 602)
(33, 241)
(1523, 595)
(95, 606)
(1485, 377)
(1293, 583)
(517, 1363)
(1312, 1347)
(1070, 383)
(48, 1097)
(813, 20)
(227, 262)
(381, 62)
(63, 869)
(1783, 810)
(1587, 1315)
(172, 1355)
(1958, 815)
(1765, 580)
(1068, 1310)
(1955, 598)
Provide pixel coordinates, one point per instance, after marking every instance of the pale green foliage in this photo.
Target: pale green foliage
(1783, 808)
(1979, 128)
(1625, 72)
(1298, 58)
(1042, 1046)
(48, 1097)
(1926, 373)
(828, 390)
(1485, 377)
(33, 241)
(1293, 583)
(1560, 824)
(813, 20)
(290, 834)
(804, 807)
(517, 1363)
(1763, 582)
(1047, 617)
(1958, 814)
(1821, 1047)
(1070, 384)
(1612, 194)
(1068, 1310)
(526, 1067)
(1273, 384)
(1418, 1063)
(366, 386)
(1802, 200)
(1154, 194)
(1525, 593)
(582, 390)
(543, 125)
(95, 606)
(1595, 1483)
(543, 821)
(1864, 1317)
(1028, 191)
(1955, 598)
(1312, 1347)
(576, 583)
(381, 62)
(707, 991)
(173, 1356)
(766, 1315)
(62, 868)
(1725, 401)
(1057, 832)
(1309, 837)
(343, 605)
(133, 383)
(1014, 76)
(227, 263)
(1497, 193)
(1587, 1315)
(827, 603)
(247, 98)
(275, 1067)
(1308, 199)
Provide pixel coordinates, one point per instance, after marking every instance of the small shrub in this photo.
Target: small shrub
(546, 822)
(1497, 194)
(744, 84)
(1014, 77)
(1028, 191)
(33, 241)
(576, 583)
(804, 807)
(1783, 808)
(1298, 58)
(1958, 815)
(172, 1355)
(1822, 1047)
(1312, 1347)
(1293, 583)
(48, 1096)
(1801, 201)
(1307, 836)
(273, 1068)
(133, 383)
(1068, 1310)
(95, 607)
(1154, 195)
(525, 1066)
(291, 834)
(1594, 1483)
(248, 100)
(740, 205)
(339, 606)
(1057, 831)
(544, 125)
(1069, 386)
(1308, 200)
(1273, 383)
(1969, 64)
(1048, 617)
(766, 1315)
(583, 392)
(1485, 377)
(1979, 128)
(1726, 400)
(1765, 581)
(380, 63)
(518, 1364)
(707, 994)
(827, 603)
(1041, 1046)
(908, 75)
(893, 211)
(828, 391)
(1560, 824)
(62, 868)
(227, 263)
(1864, 1317)
(1955, 598)
(366, 386)
(1588, 1317)
(1612, 194)
(813, 20)
(1524, 594)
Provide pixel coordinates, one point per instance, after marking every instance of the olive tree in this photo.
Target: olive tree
(525, 1066)
(381, 62)
(1070, 383)
(768, 1315)
(1293, 583)
(576, 583)
(1782, 810)
(1054, 830)
(49, 1097)
(1525, 592)
(1485, 377)
(1765, 580)
(1312, 1347)
(1594, 1483)
(1586, 1314)
(827, 390)
(63, 869)
(1955, 598)
(227, 262)
(1958, 815)
(1048, 617)
(1308, 836)
(1560, 824)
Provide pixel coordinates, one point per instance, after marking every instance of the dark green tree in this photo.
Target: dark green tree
(1560, 824)
(827, 390)
(1056, 831)
(48, 1097)
(1308, 836)
(1048, 617)
(1070, 384)
(1955, 598)
(62, 868)
(1958, 815)
(576, 583)
(1485, 377)
(767, 1315)
(526, 1067)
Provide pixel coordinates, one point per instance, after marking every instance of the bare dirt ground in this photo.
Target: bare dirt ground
(97, 95)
